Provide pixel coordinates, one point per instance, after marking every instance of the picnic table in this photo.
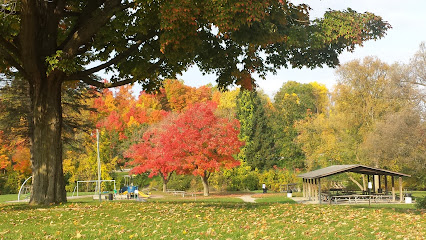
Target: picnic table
(177, 192)
(356, 198)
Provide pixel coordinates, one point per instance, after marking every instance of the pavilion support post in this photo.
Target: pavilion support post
(393, 189)
(315, 188)
(364, 186)
(304, 188)
(386, 184)
(307, 187)
(380, 183)
(319, 190)
(310, 189)
(400, 189)
(374, 183)
(368, 181)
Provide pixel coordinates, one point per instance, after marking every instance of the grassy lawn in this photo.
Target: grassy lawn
(419, 194)
(8, 197)
(220, 216)
(14, 197)
(206, 220)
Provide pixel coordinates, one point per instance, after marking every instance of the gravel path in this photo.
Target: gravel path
(248, 198)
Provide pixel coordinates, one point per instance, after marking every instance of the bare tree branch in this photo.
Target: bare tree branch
(415, 82)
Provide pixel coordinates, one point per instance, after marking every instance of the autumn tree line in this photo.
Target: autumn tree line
(53, 44)
(235, 139)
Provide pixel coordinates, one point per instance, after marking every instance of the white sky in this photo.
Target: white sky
(408, 20)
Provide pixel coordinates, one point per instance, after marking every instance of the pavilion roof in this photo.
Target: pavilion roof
(337, 169)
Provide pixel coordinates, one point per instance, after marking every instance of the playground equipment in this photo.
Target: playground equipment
(131, 192)
(24, 190)
(93, 181)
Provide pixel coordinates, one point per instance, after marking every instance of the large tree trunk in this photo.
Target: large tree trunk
(38, 40)
(164, 187)
(205, 180)
(46, 146)
(166, 179)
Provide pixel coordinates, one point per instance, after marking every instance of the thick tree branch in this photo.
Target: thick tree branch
(114, 60)
(9, 58)
(118, 58)
(9, 47)
(89, 80)
(89, 26)
(83, 17)
(92, 82)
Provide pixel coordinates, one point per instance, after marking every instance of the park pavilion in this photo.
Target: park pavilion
(376, 178)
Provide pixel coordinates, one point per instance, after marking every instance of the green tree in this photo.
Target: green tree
(293, 102)
(259, 149)
(52, 42)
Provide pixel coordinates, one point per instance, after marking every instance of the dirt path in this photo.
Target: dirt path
(248, 198)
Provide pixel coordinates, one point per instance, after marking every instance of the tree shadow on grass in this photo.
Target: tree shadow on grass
(399, 208)
(23, 207)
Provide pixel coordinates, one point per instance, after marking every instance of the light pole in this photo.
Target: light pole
(99, 165)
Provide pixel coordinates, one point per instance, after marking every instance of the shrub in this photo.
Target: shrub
(421, 202)
(180, 182)
(251, 181)
(219, 181)
(10, 182)
(274, 178)
(236, 179)
(142, 180)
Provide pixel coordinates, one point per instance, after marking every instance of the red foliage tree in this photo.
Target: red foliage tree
(151, 155)
(21, 160)
(203, 141)
(197, 142)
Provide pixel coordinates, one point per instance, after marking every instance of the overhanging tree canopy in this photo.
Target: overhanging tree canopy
(52, 42)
